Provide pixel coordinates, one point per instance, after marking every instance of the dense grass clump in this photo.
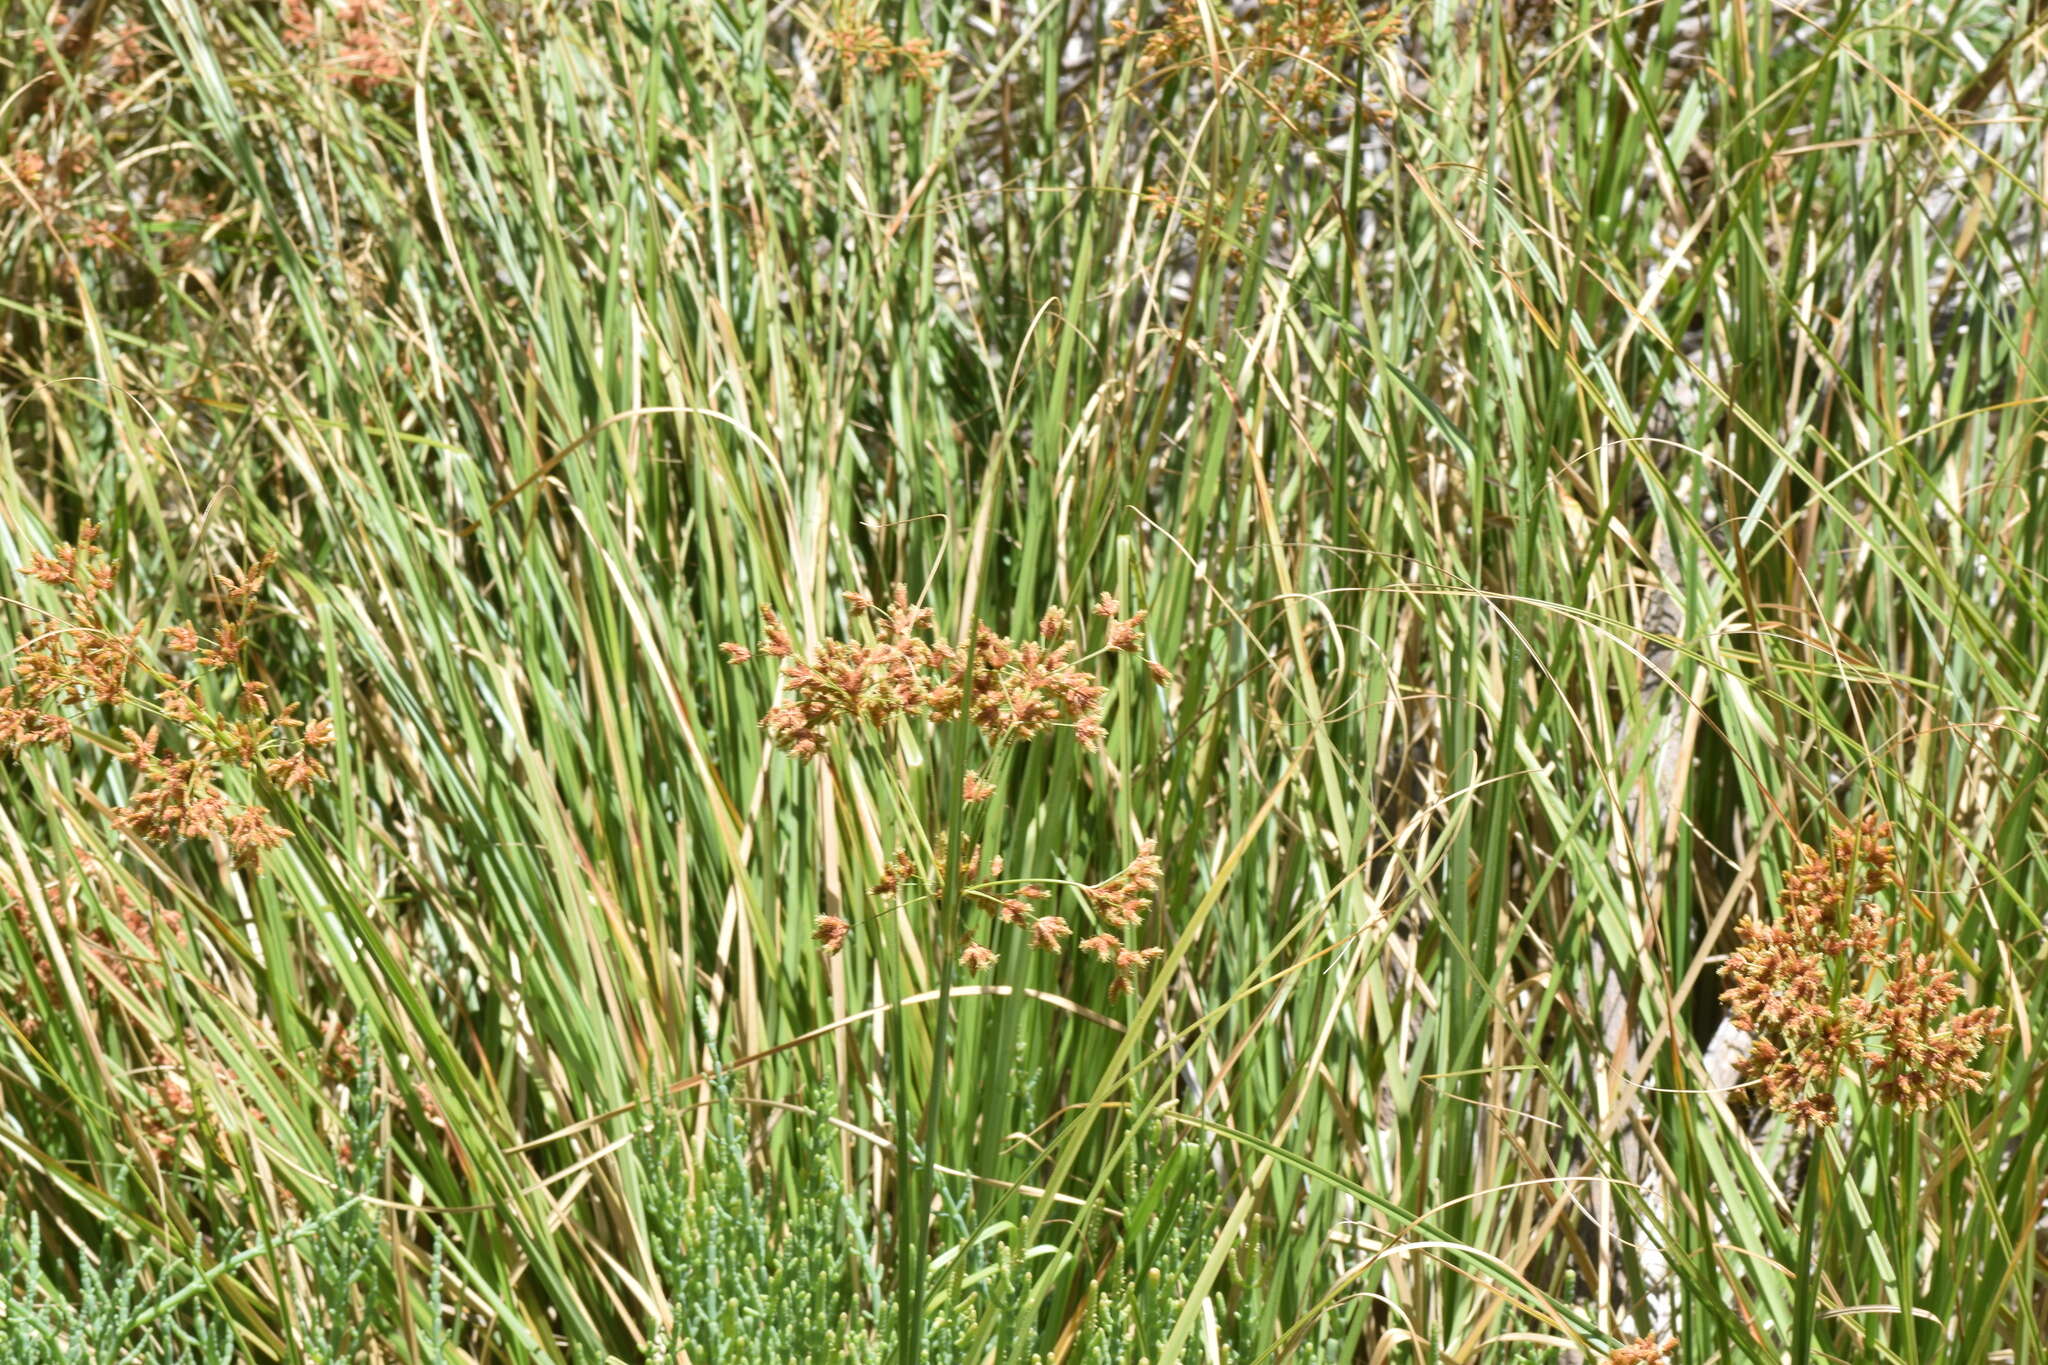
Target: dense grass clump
(1433, 539)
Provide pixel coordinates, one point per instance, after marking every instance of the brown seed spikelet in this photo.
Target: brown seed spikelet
(1127, 961)
(1642, 1351)
(830, 932)
(1124, 898)
(1047, 931)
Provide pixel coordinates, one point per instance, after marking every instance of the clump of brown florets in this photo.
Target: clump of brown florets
(1642, 1351)
(1299, 49)
(830, 932)
(175, 1107)
(1012, 691)
(1832, 988)
(1124, 898)
(859, 43)
(86, 655)
(1127, 961)
(363, 41)
(1020, 905)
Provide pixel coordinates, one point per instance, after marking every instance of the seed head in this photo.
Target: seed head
(1047, 931)
(1012, 691)
(830, 932)
(1124, 898)
(1831, 989)
(1642, 1351)
(89, 656)
(1125, 635)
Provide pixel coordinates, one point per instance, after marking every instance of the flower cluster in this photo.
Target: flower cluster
(79, 658)
(859, 43)
(1011, 691)
(1642, 1351)
(1128, 961)
(1124, 898)
(1120, 901)
(1302, 44)
(367, 39)
(1208, 217)
(1829, 989)
(175, 1106)
(1013, 903)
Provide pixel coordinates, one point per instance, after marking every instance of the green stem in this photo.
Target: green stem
(1809, 1221)
(1905, 1256)
(915, 1221)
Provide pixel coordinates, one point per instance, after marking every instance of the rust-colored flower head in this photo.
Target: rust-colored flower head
(1124, 898)
(22, 727)
(1832, 989)
(1128, 961)
(89, 656)
(1642, 1351)
(830, 932)
(1104, 946)
(976, 959)
(1047, 931)
(1011, 691)
(250, 835)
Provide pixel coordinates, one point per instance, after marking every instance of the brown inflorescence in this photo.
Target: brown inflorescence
(859, 43)
(364, 40)
(1124, 898)
(1127, 961)
(1832, 988)
(1642, 1351)
(86, 656)
(1119, 901)
(1010, 691)
(1302, 45)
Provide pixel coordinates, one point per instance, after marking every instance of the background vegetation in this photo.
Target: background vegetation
(1569, 452)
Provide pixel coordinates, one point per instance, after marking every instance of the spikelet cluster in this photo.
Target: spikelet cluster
(86, 656)
(1300, 46)
(1642, 1351)
(1010, 690)
(363, 42)
(1832, 989)
(1120, 901)
(859, 43)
